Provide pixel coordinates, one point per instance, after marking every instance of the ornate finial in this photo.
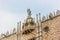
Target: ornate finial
(37, 18)
(14, 30)
(58, 12)
(50, 15)
(47, 16)
(7, 33)
(43, 18)
(29, 12)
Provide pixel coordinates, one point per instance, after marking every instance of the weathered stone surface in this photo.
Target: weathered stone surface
(52, 34)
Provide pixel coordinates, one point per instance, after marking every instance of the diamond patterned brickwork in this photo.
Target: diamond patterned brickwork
(54, 29)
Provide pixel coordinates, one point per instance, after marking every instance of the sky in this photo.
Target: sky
(13, 11)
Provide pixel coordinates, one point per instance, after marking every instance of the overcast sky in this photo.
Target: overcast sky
(13, 11)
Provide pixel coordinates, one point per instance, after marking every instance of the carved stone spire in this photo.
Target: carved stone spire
(29, 13)
(37, 18)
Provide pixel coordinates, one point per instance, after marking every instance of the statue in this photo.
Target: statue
(14, 30)
(50, 15)
(58, 12)
(7, 33)
(29, 12)
(43, 18)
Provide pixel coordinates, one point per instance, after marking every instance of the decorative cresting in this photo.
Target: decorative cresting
(43, 18)
(58, 12)
(29, 22)
(50, 15)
